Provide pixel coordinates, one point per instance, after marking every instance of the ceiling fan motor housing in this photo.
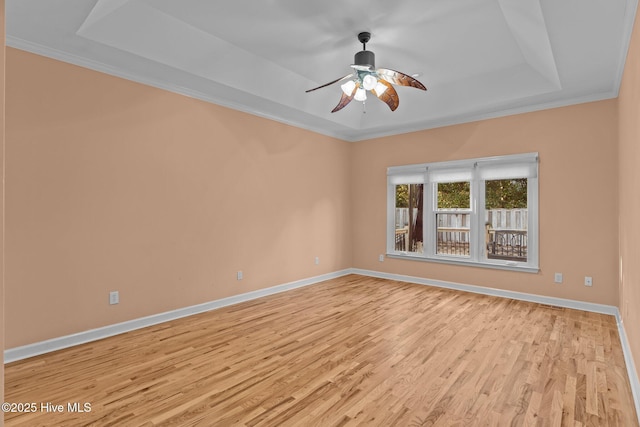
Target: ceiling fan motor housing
(365, 58)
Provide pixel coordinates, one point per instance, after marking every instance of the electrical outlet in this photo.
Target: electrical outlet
(381, 258)
(557, 277)
(317, 260)
(114, 297)
(239, 275)
(588, 281)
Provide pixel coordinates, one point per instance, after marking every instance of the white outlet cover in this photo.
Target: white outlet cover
(114, 297)
(557, 277)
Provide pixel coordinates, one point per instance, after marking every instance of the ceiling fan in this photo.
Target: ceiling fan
(367, 78)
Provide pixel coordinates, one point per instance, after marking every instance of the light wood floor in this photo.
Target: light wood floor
(351, 351)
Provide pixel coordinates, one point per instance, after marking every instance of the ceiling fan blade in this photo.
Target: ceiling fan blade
(345, 100)
(389, 96)
(330, 83)
(400, 79)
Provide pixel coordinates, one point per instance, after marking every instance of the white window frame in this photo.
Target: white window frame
(476, 171)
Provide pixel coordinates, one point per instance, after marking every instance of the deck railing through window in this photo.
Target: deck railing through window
(507, 245)
(402, 239)
(453, 234)
(453, 241)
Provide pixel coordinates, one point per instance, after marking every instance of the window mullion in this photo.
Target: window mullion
(472, 216)
(481, 242)
(428, 218)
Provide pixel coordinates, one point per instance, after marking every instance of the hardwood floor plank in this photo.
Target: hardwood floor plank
(354, 351)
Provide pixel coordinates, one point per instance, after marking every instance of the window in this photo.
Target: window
(478, 211)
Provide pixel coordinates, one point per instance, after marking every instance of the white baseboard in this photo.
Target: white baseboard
(35, 349)
(631, 367)
(558, 302)
(30, 350)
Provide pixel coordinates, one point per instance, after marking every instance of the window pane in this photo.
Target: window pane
(454, 195)
(506, 219)
(453, 233)
(408, 222)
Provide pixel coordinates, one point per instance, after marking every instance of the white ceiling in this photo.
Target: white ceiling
(478, 58)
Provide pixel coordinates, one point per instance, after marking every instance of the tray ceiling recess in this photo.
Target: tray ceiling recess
(478, 58)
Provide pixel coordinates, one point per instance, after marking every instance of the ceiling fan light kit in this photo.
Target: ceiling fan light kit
(367, 78)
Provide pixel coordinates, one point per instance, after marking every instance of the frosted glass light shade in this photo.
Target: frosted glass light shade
(348, 87)
(380, 88)
(369, 82)
(361, 95)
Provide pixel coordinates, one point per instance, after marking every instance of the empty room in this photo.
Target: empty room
(291, 213)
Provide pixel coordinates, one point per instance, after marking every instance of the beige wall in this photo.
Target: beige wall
(2, 346)
(629, 189)
(578, 197)
(113, 185)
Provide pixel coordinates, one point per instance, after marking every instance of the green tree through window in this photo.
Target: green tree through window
(453, 195)
(402, 196)
(506, 194)
(500, 194)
